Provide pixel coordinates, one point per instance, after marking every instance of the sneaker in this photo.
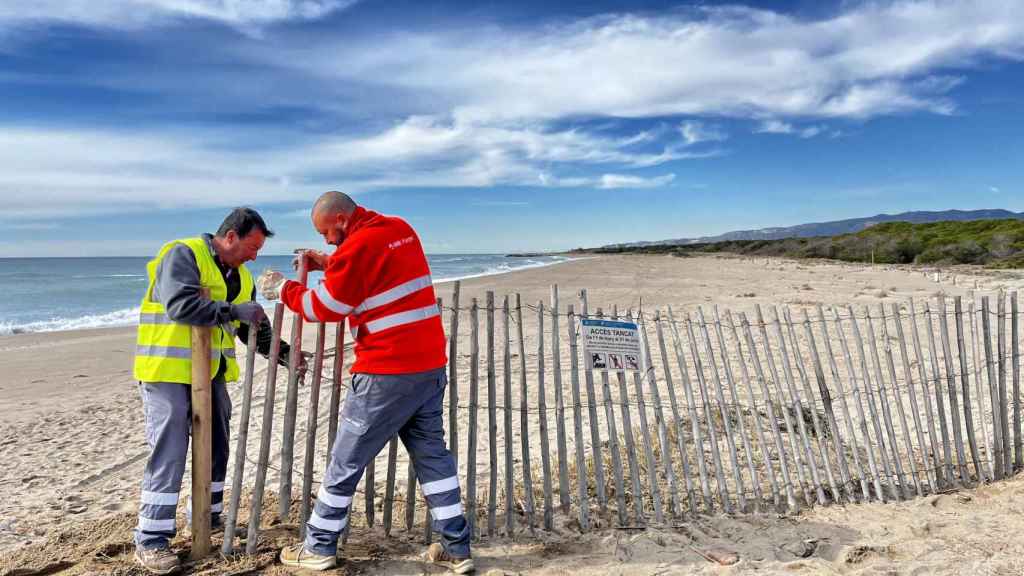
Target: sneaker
(436, 554)
(157, 560)
(296, 555)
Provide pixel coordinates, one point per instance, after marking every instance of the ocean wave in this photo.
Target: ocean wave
(124, 317)
(505, 268)
(83, 276)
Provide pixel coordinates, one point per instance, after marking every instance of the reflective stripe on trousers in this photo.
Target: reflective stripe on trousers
(167, 408)
(376, 408)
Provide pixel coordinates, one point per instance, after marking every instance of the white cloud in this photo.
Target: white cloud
(774, 126)
(994, 189)
(696, 132)
(611, 181)
(140, 13)
(872, 59)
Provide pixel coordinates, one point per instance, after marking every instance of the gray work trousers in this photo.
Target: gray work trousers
(168, 412)
(378, 407)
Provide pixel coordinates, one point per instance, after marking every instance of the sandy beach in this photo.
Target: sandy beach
(71, 437)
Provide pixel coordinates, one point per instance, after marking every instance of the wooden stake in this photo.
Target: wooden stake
(900, 410)
(202, 436)
(954, 407)
(734, 396)
(1018, 455)
(914, 409)
(595, 436)
(850, 433)
(647, 367)
(256, 507)
(652, 469)
(613, 443)
(940, 403)
(389, 484)
(1003, 404)
(556, 368)
(965, 382)
(627, 429)
(979, 392)
(453, 377)
(933, 438)
(507, 412)
(577, 421)
(284, 494)
(993, 385)
(762, 440)
(524, 412)
(677, 422)
(312, 416)
(492, 421)
(241, 443)
(337, 377)
(474, 393)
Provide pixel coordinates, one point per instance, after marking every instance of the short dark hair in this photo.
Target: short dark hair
(242, 220)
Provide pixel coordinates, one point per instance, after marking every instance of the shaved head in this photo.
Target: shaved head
(333, 203)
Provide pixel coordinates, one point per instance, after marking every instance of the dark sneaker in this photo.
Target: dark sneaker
(296, 555)
(436, 554)
(157, 560)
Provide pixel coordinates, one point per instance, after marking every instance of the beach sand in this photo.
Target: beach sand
(73, 448)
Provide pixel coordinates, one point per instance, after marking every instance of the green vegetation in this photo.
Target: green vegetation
(992, 243)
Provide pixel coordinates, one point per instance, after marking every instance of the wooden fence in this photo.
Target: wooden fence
(772, 408)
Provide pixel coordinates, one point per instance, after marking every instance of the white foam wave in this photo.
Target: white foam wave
(507, 267)
(124, 317)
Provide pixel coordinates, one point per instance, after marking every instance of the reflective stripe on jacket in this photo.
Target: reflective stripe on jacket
(163, 350)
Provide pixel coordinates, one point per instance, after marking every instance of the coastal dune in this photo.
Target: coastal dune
(71, 435)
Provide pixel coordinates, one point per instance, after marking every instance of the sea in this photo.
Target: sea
(53, 294)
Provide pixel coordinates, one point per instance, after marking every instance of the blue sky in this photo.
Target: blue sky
(499, 126)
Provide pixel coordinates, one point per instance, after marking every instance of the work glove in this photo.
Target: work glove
(269, 284)
(315, 260)
(250, 312)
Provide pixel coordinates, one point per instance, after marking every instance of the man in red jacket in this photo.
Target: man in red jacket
(379, 279)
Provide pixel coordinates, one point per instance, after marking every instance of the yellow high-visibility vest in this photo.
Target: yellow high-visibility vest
(163, 348)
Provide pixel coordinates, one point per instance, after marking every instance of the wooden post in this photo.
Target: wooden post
(792, 433)
(202, 436)
(780, 447)
(933, 352)
(312, 416)
(613, 443)
(883, 398)
(507, 413)
(734, 396)
(474, 393)
(858, 401)
(577, 421)
(826, 402)
(337, 379)
(872, 407)
(527, 477)
(676, 420)
(647, 367)
(933, 438)
(595, 435)
(370, 489)
(798, 410)
(812, 405)
(389, 485)
(762, 440)
(652, 467)
(453, 377)
(241, 443)
(901, 412)
(954, 407)
(284, 493)
(1004, 419)
(1018, 455)
(979, 391)
(993, 385)
(850, 433)
(723, 410)
(965, 385)
(705, 396)
(691, 405)
(627, 429)
(524, 421)
(492, 421)
(256, 507)
(914, 409)
(556, 369)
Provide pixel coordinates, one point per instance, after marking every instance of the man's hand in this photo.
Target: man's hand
(303, 367)
(250, 312)
(315, 260)
(269, 284)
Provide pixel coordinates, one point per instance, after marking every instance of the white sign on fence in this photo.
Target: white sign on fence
(611, 345)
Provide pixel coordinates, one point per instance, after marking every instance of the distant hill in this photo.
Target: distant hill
(835, 227)
(996, 243)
